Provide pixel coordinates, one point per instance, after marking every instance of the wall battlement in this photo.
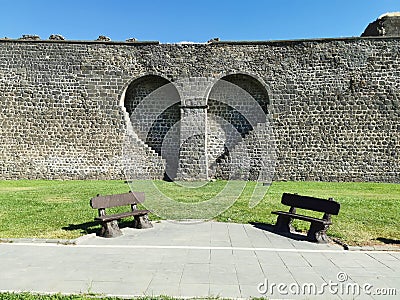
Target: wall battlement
(103, 109)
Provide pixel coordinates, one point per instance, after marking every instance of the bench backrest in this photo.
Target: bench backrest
(117, 200)
(322, 205)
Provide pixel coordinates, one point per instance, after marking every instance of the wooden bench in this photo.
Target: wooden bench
(109, 222)
(318, 227)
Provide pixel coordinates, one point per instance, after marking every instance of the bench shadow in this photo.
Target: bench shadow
(85, 228)
(94, 227)
(271, 228)
(388, 241)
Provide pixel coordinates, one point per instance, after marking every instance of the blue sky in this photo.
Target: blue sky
(171, 21)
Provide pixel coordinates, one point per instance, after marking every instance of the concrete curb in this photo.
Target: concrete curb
(85, 238)
(374, 248)
(39, 241)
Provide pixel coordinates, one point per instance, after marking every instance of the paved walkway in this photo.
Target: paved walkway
(199, 260)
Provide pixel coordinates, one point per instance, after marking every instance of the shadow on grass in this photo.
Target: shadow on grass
(388, 241)
(271, 228)
(93, 227)
(85, 228)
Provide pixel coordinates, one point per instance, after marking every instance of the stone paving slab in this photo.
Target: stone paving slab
(199, 260)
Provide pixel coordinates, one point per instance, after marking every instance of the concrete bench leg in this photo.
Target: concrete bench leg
(142, 222)
(317, 233)
(283, 224)
(110, 229)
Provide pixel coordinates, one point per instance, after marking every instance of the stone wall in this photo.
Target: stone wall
(333, 104)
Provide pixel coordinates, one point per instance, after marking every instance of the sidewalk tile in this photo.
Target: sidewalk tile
(185, 261)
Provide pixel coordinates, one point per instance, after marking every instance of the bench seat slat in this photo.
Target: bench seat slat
(107, 218)
(302, 217)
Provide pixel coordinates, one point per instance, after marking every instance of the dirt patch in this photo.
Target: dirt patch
(16, 189)
(57, 199)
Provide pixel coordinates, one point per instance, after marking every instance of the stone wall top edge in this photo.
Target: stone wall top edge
(80, 42)
(244, 42)
(307, 40)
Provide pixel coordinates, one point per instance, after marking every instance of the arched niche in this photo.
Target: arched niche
(153, 105)
(237, 103)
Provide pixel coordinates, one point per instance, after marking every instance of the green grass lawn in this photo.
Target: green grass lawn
(31, 296)
(60, 209)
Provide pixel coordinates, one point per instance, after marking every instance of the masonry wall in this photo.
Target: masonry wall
(334, 106)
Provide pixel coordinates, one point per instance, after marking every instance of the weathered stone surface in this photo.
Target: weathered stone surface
(56, 37)
(386, 25)
(142, 222)
(30, 37)
(110, 229)
(213, 40)
(103, 38)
